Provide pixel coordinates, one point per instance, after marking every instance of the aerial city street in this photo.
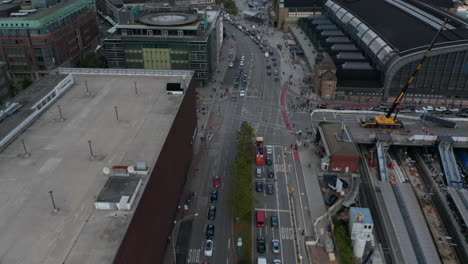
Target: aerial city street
(234, 131)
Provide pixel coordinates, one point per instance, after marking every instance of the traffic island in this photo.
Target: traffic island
(242, 199)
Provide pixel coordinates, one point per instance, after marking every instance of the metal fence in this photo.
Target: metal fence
(125, 72)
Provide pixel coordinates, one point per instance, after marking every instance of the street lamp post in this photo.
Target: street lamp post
(174, 232)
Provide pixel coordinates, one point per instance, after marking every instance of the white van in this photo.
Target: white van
(261, 260)
(266, 55)
(269, 150)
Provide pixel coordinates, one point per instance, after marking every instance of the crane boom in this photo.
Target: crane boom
(415, 72)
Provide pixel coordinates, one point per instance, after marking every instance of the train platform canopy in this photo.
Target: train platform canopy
(337, 40)
(321, 20)
(405, 27)
(327, 27)
(60, 162)
(356, 66)
(350, 56)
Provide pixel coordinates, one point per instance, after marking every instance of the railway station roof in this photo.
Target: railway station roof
(405, 28)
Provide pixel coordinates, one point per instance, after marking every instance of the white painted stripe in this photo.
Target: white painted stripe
(272, 210)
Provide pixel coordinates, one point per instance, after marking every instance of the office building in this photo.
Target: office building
(286, 12)
(36, 41)
(165, 39)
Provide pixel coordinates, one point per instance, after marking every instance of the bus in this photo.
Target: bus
(260, 218)
(259, 158)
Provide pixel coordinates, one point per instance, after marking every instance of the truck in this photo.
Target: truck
(259, 151)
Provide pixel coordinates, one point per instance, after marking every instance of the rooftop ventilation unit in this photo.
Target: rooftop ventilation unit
(174, 88)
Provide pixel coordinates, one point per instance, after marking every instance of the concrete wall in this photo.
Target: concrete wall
(146, 237)
(343, 161)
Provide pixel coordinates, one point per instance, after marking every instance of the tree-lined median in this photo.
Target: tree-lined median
(242, 198)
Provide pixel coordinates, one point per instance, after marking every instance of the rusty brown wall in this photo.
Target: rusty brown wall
(146, 237)
(343, 161)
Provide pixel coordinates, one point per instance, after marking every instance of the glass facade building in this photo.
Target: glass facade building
(194, 46)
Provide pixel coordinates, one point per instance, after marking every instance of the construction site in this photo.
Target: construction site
(412, 179)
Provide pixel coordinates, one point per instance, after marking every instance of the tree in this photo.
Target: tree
(93, 61)
(242, 198)
(26, 83)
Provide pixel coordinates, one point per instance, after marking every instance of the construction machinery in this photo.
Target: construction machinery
(387, 120)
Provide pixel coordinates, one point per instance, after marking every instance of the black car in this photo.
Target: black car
(271, 173)
(209, 231)
(462, 115)
(269, 160)
(212, 213)
(448, 112)
(275, 64)
(273, 58)
(331, 200)
(274, 221)
(356, 108)
(339, 108)
(214, 196)
(261, 246)
(268, 67)
(270, 188)
(259, 186)
(322, 106)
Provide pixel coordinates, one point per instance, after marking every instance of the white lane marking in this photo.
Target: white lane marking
(286, 184)
(266, 227)
(229, 243)
(277, 194)
(286, 233)
(272, 210)
(299, 191)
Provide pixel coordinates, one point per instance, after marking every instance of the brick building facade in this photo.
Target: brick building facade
(37, 42)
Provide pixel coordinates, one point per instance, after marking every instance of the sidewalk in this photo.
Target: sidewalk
(208, 98)
(314, 194)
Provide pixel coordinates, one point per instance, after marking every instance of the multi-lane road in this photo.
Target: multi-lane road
(261, 108)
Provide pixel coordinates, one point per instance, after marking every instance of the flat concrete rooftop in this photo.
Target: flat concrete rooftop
(30, 230)
(28, 98)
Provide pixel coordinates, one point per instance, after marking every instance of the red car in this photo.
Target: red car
(217, 182)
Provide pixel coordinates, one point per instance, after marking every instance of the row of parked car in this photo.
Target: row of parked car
(408, 109)
(210, 228)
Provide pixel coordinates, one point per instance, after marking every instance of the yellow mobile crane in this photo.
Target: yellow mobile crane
(387, 120)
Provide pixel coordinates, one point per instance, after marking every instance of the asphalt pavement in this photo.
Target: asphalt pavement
(265, 108)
